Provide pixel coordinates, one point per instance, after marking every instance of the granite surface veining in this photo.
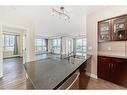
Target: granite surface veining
(50, 71)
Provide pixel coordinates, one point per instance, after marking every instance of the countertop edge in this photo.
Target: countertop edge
(115, 56)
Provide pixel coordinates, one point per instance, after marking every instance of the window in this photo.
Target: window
(9, 41)
(81, 46)
(40, 45)
(56, 45)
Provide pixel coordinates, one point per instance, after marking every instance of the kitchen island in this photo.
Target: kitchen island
(51, 72)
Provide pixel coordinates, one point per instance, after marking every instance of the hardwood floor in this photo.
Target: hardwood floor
(99, 84)
(14, 74)
(14, 77)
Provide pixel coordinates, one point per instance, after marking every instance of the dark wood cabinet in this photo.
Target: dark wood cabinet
(114, 29)
(119, 29)
(113, 69)
(103, 67)
(104, 31)
(120, 71)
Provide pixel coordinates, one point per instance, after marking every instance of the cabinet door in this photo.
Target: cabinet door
(119, 28)
(104, 29)
(104, 67)
(119, 72)
(115, 70)
(124, 73)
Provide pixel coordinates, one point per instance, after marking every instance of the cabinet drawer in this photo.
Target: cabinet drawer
(116, 60)
(103, 59)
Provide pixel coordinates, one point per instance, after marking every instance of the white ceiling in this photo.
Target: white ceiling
(48, 25)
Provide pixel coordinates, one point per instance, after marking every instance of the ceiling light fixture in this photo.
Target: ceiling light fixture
(61, 12)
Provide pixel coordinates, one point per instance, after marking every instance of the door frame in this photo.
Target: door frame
(25, 32)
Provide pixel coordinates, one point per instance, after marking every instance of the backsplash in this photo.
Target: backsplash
(118, 48)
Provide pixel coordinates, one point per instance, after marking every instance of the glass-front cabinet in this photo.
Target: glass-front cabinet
(104, 31)
(114, 29)
(119, 28)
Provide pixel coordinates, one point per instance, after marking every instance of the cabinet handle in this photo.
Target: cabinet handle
(112, 65)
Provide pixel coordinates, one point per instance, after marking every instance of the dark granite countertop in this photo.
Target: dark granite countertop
(51, 71)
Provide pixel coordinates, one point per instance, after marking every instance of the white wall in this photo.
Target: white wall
(91, 27)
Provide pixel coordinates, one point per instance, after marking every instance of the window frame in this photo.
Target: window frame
(43, 45)
(11, 42)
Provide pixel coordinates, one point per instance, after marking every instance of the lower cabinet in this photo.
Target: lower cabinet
(103, 67)
(113, 69)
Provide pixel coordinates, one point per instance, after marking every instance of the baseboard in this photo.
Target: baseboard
(92, 75)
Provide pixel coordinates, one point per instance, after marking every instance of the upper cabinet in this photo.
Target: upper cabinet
(119, 28)
(104, 31)
(114, 29)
